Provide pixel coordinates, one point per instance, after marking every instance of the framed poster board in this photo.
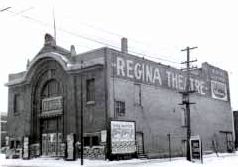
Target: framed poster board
(123, 137)
(25, 153)
(70, 156)
(196, 149)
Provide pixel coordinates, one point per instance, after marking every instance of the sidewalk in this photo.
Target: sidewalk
(209, 160)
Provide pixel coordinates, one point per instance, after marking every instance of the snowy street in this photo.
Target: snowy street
(224, 160)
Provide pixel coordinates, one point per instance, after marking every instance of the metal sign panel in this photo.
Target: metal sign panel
(219, 90)
(195, 148)
(123, 137)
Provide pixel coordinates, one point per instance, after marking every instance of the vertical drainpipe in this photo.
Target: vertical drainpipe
(76, 105)
(106, 100)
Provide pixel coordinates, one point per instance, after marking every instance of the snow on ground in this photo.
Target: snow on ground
(224, 160)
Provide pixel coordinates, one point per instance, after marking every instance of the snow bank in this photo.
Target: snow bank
(224, 160)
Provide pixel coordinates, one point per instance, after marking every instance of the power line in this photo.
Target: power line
(85, 37)
(25, 10)
(119, 35)
(2, 10)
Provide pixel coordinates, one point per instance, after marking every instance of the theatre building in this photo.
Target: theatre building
(129, 104)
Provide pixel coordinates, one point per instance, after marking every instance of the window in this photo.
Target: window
(91, 141)
(95, 141)
(17, 103)
(120, 108)
(86, 141)
(91, 90)
(11, 144)
(137, 94)
(51, 89)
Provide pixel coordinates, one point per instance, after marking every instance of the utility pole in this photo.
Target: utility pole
(169, 136)
(81, 107)
(185, 97)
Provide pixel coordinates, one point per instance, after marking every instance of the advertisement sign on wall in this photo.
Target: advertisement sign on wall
(52, 105)
(70, 147)
(208, 81)
(219, 90)
(156, 74)
(123, 137)
(195, 148)
(25, 148)
(103, 136)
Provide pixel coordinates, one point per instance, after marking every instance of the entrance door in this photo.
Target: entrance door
(140, 143)
(51, 144)
(51, 137)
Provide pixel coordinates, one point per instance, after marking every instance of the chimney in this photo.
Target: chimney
(72, 50)
(124, 47)
(49, 40)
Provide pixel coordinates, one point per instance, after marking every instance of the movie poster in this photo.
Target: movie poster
(123, 137)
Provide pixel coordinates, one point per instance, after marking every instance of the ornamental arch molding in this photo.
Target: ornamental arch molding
(41, 60)
(47, 78)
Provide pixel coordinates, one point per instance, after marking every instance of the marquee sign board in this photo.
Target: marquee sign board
(123, 137)
(195, 148)
(52, 105)
(208, 81)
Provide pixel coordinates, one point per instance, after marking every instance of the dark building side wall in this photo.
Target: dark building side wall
(160, 114)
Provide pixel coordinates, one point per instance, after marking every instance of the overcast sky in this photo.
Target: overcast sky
(156, 28)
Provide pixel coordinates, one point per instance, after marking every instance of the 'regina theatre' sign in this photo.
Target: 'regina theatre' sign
(206, 81)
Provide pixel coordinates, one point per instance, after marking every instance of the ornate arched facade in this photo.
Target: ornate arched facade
(48, 105)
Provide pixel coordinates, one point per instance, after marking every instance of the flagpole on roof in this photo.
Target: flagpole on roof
(54, 24)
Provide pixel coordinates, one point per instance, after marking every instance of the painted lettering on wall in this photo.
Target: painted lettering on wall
(179, 82)
(138, 71)
(155, 74)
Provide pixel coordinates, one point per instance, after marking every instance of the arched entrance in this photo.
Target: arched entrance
(51, 120)
(48, 107)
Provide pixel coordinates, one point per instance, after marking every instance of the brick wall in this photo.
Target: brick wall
(160, 114)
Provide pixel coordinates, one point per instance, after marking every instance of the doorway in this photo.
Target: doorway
(140, 143)
(51, 136)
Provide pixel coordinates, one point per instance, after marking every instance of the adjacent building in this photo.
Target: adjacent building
(235, 116)
(46, 100)
(3, 127)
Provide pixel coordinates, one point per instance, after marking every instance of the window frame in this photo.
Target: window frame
(90, 91)
(120, 108)
(16, 104)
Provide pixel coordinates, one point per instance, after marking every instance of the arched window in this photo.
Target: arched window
(51, 89)
(51, 98)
